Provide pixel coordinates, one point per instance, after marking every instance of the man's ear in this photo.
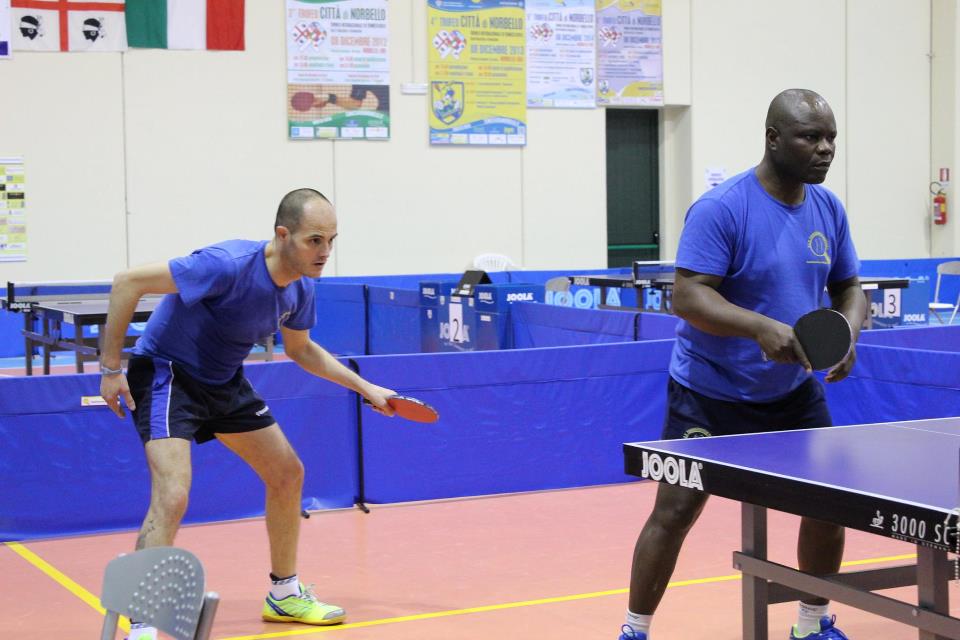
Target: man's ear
(282, 232)
(772, 138)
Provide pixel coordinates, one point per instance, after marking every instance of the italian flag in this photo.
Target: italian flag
(185, 24)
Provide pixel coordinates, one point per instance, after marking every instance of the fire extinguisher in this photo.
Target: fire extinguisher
(939, 203)
(940, 208)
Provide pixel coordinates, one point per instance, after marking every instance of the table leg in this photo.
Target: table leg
(933, 581)
(46, 346)
(79, 340)
(27, 342)
(755, 591)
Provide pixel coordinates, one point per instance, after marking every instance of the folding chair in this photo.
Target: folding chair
(951, 268)
(161, 587)
(493, 262)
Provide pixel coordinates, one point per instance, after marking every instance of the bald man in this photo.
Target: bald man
(755, 254)
(185, 381)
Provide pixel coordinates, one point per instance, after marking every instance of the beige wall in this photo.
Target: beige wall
(140, 156)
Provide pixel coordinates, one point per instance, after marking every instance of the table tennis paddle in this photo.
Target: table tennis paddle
(825, 336)
(411, 408)
(304, 101)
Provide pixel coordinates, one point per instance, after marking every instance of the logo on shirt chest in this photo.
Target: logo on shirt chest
(820, 248)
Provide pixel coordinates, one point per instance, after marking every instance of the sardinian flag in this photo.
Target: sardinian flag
(69, 25)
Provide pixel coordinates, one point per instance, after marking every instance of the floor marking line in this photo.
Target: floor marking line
(525, 603)
(62, 579)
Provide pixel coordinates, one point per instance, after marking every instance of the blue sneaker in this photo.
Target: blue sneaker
(827, 631)
(627, 633)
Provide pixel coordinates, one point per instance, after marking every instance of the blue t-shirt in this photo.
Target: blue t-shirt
(775, 260)
(226, 303)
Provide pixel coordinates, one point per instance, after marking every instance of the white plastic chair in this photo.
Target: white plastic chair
(951, 268)
(161, 587)
(493, 262)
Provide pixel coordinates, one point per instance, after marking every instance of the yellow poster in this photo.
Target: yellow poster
(13, 211)
(477, 72)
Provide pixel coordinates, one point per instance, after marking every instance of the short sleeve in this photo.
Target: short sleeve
(846, 264)
(305, 314)
(707, 241)
(205, 273)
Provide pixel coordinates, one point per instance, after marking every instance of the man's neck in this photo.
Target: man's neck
(789, 192)
(280, 276)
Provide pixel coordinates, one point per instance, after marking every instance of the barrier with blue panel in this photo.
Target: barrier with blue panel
(890, 384)
(518, 420)
(933, 338)
(341, 318)
(550, 326)
(393, 320)
(431, 293)
(494, 304)
(67, 468)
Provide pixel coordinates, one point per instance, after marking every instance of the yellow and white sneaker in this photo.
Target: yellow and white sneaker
(305, 608)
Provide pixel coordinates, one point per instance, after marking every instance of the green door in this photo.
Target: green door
(633, 186)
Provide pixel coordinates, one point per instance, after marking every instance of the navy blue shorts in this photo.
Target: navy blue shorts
(171, 404)
(694, 415)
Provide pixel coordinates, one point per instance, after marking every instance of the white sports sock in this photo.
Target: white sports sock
(284, 587)
(638, 622)
(808, 620)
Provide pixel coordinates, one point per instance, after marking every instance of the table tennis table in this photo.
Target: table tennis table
(47, 307)
(664, 282)
(897, 479)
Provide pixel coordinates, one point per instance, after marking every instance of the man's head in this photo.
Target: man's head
(92, 29)
(30, 27)
(800, 136)
(305, 228)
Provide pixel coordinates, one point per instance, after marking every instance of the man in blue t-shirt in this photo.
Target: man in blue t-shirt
(755, 254)
(185, 380)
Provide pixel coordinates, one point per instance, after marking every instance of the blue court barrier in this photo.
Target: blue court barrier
(66, 468)
(341, 318)
(932, 338)
(518, 420)
(541, 325)
(889, 384)
(393, 320)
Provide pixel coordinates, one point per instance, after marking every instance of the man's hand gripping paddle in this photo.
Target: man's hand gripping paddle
(825, 336)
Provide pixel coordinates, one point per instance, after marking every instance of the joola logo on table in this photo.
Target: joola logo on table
(520, 297)
(485, 296)
(671, 471)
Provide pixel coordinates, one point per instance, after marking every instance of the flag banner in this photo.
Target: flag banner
(186, 24)
(4, 29)
(69, 25)
(338, 69)
(629, 53)
(561, 53)
(477, 72)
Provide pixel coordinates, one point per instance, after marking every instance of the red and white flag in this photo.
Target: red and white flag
(69, 25)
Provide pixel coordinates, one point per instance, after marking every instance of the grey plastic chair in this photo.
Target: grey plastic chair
(951, 268)
(162, 587)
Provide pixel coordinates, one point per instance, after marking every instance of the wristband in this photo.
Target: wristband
(107, 371)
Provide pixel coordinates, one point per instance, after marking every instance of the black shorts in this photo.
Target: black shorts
(693, 415)
(171, 404)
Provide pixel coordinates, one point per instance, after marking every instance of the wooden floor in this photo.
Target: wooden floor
(538, 566)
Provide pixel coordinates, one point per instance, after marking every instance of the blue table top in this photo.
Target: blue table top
(873, 477)
(916, 462)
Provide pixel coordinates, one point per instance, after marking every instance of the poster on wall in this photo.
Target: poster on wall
(629, 53)
(4, 29)
(13, 211)
(338, 70)
(561, 53)
(476, 70)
